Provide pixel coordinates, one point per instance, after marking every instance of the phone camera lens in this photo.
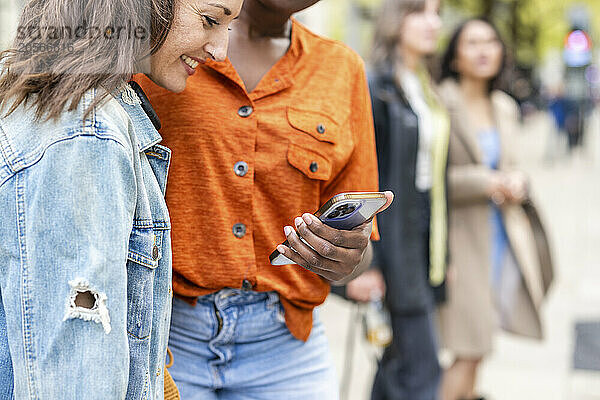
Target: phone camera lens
(334, 214)
(343, 210)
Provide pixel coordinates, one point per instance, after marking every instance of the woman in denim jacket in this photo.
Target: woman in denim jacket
(85, 258)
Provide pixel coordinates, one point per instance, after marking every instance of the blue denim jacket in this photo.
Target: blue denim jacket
(82, 210)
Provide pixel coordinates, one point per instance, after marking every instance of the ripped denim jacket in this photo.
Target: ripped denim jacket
(85, 254)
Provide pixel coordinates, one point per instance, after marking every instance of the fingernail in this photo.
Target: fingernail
(307, 218)
(298, 221)
(281, 249)
(287, 230)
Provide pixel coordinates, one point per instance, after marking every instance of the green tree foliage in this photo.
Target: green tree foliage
(531, 28)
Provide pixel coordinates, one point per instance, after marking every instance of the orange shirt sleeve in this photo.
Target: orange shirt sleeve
(360, 173)
(375, 233)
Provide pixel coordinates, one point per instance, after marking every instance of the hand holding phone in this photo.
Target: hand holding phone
(332, 242)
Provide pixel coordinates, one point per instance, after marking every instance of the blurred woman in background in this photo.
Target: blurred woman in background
(485, 203)
(411, 129)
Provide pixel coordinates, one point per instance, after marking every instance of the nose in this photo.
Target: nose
(217, 47)
(435, 20)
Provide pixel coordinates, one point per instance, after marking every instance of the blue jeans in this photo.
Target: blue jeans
(234, 344)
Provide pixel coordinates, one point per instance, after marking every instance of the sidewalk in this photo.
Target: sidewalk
(568, 195)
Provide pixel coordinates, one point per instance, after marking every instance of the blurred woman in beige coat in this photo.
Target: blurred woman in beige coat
(493, 277)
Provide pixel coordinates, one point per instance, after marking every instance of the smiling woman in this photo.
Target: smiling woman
(85, 250)
(205, 27)
(60, 67)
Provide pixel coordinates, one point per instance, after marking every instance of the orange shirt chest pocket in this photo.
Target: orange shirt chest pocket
(320, 144)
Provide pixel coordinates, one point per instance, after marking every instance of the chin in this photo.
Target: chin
(177, 87)
(428, 50)
(486, 75)
(174, 84)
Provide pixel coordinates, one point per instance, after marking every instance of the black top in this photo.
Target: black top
(402, 254)
(146, 106)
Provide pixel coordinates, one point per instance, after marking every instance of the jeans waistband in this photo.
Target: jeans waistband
(239, 296)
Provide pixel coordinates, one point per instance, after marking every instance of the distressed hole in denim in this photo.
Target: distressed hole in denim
(87, 304)
(85, 300)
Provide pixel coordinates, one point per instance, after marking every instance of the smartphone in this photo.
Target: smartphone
(343, 211)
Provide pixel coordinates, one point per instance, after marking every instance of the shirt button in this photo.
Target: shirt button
(239, 230)
(155, 253)
(321, 128)
(247, 285)
(245, 111)
(314, 167)
(240, 168)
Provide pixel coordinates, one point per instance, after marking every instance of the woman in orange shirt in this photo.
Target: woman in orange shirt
(292, 128)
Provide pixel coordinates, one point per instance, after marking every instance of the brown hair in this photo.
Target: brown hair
(63, 48)
(448, 69)
(387, 31)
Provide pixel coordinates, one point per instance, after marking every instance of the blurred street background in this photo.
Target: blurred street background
(554, 74)
(568, 195)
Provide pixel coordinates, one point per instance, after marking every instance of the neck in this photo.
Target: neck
(409, 59)
(264, 21)
(474, 88)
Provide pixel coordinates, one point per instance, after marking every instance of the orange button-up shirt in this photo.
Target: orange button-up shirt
(245, 164)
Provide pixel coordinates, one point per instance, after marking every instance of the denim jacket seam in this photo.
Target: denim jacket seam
(24, 164)
(137, 337)
(158, 225)
(167, 158)
(6, 148)
(143, 223)
(37, 156)
(7, 156)
(141, 259)
(28, 344)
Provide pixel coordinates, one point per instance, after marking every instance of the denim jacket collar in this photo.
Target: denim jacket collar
(145, 131)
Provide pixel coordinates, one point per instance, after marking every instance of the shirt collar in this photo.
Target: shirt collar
(136, 104)
(280, 76)
(298, 45)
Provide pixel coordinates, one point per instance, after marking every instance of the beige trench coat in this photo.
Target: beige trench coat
(473, 310)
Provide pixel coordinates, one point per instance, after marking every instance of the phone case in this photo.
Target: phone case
(344, 211)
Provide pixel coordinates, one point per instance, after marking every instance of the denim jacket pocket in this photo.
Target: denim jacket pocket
(145, 248)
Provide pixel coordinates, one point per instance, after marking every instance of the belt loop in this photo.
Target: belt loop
(273, 298)
(219, 319)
